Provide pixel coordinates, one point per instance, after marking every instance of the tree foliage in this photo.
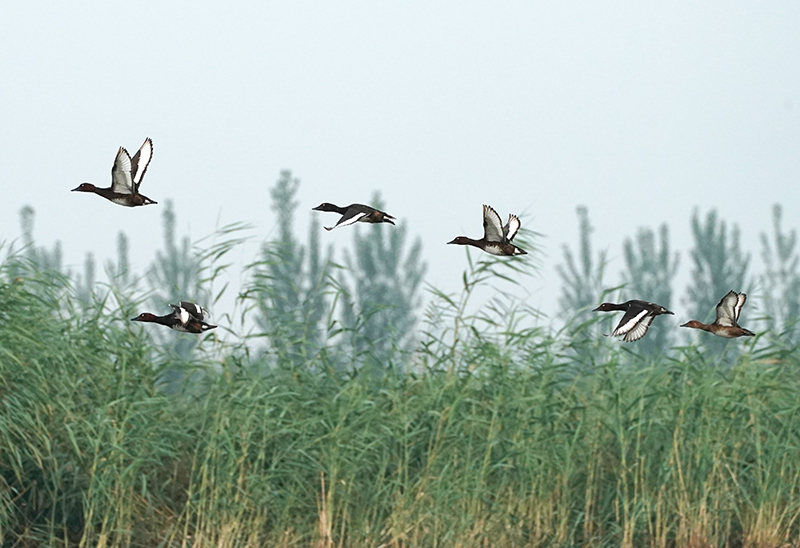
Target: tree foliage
(41, 258)
(174, 276)
(650, 269)
(719, 265)
(581, 282)
(290, 283)
(781, 279)
(382, 282)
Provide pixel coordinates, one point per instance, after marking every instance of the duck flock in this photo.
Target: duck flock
(126, 178)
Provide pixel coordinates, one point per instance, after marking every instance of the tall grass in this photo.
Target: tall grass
(498, 435)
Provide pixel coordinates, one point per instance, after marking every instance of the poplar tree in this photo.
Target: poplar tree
(382, 282)
(650, 269)
(581, 278)
(290, 284)
(39, 258)
(581, 291)
(174, 276)
(84, 284)
(781, 279)
(718, 266)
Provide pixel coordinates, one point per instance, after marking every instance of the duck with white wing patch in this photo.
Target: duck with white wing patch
(636, 320)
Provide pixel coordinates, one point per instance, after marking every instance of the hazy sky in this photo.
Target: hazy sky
(640, 111)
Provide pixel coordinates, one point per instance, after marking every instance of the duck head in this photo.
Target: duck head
(144, 317)
(461, 240)
(694, 324)
(607, 307)
(326, 207)
(85, 187)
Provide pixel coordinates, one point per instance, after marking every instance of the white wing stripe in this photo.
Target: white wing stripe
(347, 222)
(640, 330)
(630, 324)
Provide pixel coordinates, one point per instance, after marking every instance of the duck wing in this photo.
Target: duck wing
(121, 182)
(742, 298)
(728, 309)
(351, 216)
(181, 314)
(631, 320)
(639, 330)
(195, 310)
(492, 226)
(511, 228)
(140, 162)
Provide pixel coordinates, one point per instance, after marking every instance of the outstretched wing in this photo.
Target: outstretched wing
(512, 227)
(639, 330)
(121, 173)
(492, 227)
(737, 309)
(140, 162)
(728, 309)
(630, 321)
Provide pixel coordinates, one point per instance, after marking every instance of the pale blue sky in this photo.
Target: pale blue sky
(642, 112)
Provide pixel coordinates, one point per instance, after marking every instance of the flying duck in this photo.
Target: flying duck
(496, 237)
(355, 213)
(726, 325)
(186, 317)
(126, 177)
(636, 320)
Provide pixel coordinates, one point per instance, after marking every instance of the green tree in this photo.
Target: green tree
(381, 295)
(290, 284)
(381, 298)
(39, 258)
(781, 279)
(119, 272)
(84, 284)
(581, 284)
(174, 276)
(650, 269)
(718, 266)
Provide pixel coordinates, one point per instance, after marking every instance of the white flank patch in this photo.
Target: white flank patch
(183, 315)
(493, 250)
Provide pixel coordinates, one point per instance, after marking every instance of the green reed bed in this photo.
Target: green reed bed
(495, 436)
